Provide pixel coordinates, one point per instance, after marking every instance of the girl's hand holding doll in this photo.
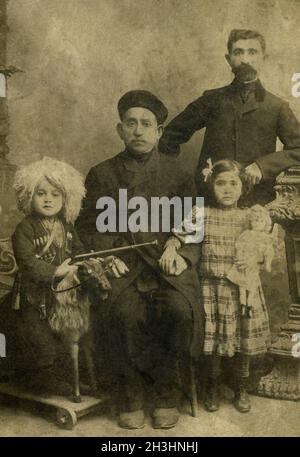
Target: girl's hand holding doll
(241, 263)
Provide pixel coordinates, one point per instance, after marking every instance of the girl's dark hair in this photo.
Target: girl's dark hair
(222, 166)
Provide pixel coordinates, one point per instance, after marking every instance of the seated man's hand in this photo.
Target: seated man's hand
(167, 260)
(180, 265)
(117, 268)
(253, 174)
(172, 263)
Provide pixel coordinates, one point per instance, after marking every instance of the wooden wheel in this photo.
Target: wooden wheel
(65, 418)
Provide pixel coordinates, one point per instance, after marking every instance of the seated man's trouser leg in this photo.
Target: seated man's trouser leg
(149, 334)
(127, 322)
(173, 328)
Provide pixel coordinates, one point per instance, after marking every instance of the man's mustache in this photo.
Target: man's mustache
(245, 72)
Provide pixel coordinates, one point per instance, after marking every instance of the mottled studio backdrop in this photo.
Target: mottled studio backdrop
(80, 56)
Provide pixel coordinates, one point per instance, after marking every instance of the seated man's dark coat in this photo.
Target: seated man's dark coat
(160, 176)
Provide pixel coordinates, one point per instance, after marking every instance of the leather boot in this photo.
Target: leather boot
(132, 419)
(241, 399)
(212, 395)
(165, 418)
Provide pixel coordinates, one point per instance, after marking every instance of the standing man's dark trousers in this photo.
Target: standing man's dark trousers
(150, 332)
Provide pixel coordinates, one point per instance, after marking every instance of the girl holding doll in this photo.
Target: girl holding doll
(49, 192)
(228, 331)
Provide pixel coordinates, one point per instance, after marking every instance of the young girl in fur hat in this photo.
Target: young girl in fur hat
(49, 192)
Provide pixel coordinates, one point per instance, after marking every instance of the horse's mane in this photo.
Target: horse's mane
(71, 308)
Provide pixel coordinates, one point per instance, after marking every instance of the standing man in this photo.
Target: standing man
(154, 319)
(242, 121)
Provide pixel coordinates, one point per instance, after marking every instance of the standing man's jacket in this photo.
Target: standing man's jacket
(245, 131)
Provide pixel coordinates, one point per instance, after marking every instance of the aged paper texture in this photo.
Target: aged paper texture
(66, 64)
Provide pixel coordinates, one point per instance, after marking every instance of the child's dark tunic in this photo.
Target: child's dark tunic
(39, 346)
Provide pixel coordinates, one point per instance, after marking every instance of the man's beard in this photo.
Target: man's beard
(245, 72)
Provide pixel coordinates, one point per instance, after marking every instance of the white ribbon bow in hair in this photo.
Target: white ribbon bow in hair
(208, 170)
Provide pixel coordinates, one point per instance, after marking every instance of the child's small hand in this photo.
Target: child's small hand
(241, 264)
(65, 268)
(247, 311)
(267, 266)
(243, 310)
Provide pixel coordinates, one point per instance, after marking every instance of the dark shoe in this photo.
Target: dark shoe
(165, 417)
(241, 400)
(132, 419)
(212, 396)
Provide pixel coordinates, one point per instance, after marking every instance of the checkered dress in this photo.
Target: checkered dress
(226, 331)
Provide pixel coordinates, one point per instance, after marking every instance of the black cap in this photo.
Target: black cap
(143, 99)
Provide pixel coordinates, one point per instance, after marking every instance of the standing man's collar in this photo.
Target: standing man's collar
(256, 86)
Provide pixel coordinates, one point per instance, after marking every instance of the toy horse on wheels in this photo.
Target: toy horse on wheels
(71, 321)
(71, 315)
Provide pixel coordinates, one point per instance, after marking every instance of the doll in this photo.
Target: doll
(254, 251)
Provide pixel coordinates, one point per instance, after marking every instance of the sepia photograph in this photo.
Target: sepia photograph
(149, 220)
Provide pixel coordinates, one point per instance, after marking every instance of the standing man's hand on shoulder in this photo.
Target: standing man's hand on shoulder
(253, 174)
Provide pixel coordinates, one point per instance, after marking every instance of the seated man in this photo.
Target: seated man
(154, 319)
